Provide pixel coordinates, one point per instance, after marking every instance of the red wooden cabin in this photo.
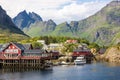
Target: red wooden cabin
(81, 52)
(11, 51)
(77, 53)
(18, 51)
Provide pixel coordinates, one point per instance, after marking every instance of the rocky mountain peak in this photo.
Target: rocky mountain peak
(23, 13)
(23, 19)
(35, 16)
(4, 18)
(114, 3)
(51, 22)
(74, 23)
(1, 10)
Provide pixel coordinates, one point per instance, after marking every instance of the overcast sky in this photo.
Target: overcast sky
(57, 10)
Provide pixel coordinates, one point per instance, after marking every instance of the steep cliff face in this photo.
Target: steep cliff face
(6, 24)
(35, 17)
(103, 26)
(4, 18)
(8, 31)
(23, 20)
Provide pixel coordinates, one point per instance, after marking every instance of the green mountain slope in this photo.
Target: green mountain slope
(104, 25)
(41, 28)
(62, 29)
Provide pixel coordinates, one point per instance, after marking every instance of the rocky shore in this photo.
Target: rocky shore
(112, 54)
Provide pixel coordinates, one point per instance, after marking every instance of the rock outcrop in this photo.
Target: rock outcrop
(112, 54)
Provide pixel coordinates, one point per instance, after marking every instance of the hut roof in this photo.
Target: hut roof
(34, 51)
(28, 46)
(4, 46)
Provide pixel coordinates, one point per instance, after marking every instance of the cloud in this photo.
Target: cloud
(58, 10)
(76, 11)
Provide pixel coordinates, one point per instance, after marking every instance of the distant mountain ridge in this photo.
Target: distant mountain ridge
(102, 27)
(24, 19)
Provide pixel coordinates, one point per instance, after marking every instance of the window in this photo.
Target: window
(13, 47)
(11, 51)
(10, 55)
(44, 55)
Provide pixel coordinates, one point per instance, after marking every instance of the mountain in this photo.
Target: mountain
(7, 28)
(23, 19)
(40, 28)
(6, 24)
(63, 29)
(102, 27)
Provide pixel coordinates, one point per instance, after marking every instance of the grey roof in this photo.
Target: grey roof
(54, 51)
(34, 51)
(27, 46)
(4, 46)
(82, 50)
(1, 45)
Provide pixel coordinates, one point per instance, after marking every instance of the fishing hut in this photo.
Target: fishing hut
(16, 55)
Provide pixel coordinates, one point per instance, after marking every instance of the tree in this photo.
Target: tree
(94, 45)
(84, 41)
(37, 45)
(69, 47)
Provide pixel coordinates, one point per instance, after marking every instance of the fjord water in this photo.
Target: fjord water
(94, 71)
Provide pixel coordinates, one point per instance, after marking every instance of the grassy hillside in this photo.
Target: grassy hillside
(4, 38)
(41, 28)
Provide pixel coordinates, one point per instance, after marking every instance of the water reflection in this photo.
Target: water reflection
(10, 70)
(113, 64)
(96, 71)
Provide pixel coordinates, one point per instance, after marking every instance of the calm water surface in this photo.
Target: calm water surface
(95, 71)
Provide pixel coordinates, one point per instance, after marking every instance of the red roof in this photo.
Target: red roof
(71, 41)
(81, 52)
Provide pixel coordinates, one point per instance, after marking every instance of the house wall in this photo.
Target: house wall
(81, 53)
(11, 51)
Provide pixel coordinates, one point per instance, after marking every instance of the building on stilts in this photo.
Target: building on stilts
(16, 55)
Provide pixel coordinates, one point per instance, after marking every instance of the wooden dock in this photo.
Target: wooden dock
(28, 64)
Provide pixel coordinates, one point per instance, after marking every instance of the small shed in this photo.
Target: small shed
(82, 52)
(55, 54)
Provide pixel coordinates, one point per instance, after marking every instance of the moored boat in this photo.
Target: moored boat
(80, 60)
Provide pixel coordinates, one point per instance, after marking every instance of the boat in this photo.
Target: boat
(48, 65)
(80, 60)
(64, 63)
